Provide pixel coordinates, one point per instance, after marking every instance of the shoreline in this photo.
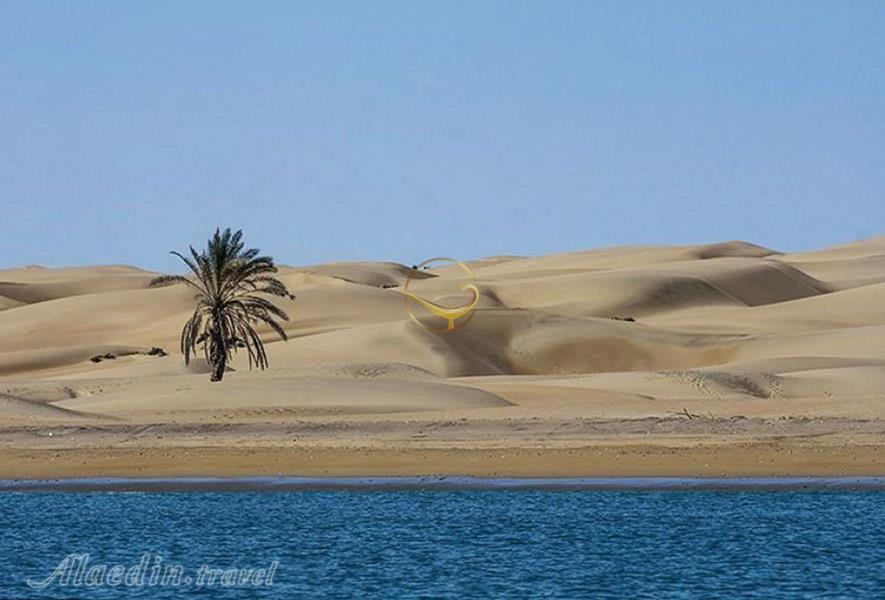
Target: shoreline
(690, 459)
(295, 484)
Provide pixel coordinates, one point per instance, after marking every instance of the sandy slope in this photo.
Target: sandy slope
(740, 360)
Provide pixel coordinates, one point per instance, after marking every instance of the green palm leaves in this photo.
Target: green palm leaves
(230, 282)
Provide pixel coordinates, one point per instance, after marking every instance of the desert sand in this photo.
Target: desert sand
(738, 360)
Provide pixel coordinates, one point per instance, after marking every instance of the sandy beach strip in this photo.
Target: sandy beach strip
(774, 458)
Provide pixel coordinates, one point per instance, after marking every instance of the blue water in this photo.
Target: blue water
(456, 544)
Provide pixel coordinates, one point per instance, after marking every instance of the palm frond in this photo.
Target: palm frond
(163, 280)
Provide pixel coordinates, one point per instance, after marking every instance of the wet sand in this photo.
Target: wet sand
(442, 483)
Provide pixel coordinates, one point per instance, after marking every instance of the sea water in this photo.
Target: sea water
(443, 544)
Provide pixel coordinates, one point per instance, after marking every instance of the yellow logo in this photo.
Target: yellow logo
(433, 311)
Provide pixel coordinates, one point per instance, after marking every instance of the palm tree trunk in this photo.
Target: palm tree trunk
(218, 369)
(217, 358)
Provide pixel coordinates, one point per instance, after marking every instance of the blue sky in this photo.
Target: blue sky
(405, 130)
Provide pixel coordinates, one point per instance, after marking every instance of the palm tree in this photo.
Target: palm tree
(228, 279)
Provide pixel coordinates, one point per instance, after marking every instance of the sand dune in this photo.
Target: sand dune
(8, 303)
(855, 307)
(30, 285)
(660, 288)
(22, 411)
(376, 274)
(273, 397)
(717, 344)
